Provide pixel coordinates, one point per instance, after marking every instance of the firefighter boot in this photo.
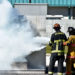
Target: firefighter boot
(60, 73)
(74, 65)
(73, 69)
(50, 73)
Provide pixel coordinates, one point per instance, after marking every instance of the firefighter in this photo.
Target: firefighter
(71, 51)
(57, 51)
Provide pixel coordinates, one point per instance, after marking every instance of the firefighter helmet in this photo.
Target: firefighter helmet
(70, 29)
(56, 26)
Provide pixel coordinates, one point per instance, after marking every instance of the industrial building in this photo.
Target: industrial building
(44, 13)
(64, 8)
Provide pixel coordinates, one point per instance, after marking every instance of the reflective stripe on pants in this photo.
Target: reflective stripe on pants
(60, 73)
(50, 72)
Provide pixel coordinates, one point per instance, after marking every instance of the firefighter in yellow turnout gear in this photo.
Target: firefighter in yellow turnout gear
(57, 51)
(71, 52)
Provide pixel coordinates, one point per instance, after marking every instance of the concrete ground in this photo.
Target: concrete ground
(28, 72)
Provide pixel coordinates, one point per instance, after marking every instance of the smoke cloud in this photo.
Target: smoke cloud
(16, 36)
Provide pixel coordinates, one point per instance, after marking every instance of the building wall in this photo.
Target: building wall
(62, 12)
(36, 14)
(40, 16)
(64, 25)
(32, 9)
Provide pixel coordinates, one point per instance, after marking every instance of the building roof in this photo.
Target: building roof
(50, 2)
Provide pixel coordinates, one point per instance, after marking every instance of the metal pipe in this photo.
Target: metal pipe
(29, 1)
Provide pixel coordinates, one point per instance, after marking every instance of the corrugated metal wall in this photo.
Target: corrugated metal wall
(18, 1)
(50, 2)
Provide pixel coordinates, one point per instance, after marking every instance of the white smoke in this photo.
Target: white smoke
(4, 11)
(16, 36)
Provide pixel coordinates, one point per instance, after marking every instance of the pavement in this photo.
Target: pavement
(22, 72)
